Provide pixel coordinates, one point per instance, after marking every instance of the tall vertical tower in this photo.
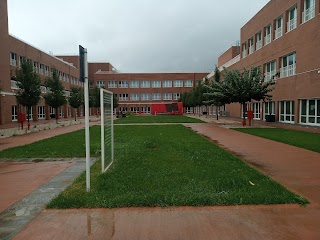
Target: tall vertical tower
(5, 84)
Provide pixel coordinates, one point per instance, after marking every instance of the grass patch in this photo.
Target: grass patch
(171, 166)
(157, 119)
(307, 140)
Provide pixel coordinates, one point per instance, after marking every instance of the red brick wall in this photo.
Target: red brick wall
(228, 55)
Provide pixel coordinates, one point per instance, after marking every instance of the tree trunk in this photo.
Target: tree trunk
(244, 113)
(28, 116)
(207, 111)
(199, 108)
(57, 114)
(217, 112)
(75, 114)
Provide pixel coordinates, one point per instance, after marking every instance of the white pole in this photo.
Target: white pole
(102, 129)
(86, 106)
(112, 134)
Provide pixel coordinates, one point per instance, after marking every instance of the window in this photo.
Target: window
(288, 65)
(123, 97)
(145, 84)
(176, 96)
(292, 19)
(134, 109)
(156, 96)
(258, 40)
(251, 45)
(269, 109)
(13, 59)
(189, 109)
(267, 34)
(167, 96)
(123, 109)
(21, 59)
(244, 50)
(134, 97)
(46, 70)
(134, 84)
(310, 112)
(167, 83)
(256, 110)
(123, 84)
(145, 96)
(286, 109)
(278, 30)
(14, 113)
(308, 10)
(178, 83)
(188, 83)
(145, 109)
(101, 84)
(35, 67)
(52, 112)
(270, 71)
(156, 84)
(41, 112)
(112, 84)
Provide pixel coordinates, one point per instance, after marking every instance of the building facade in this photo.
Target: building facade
(137, 91)
(283, 39)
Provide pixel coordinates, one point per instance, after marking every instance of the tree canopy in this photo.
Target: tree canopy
(76, 98)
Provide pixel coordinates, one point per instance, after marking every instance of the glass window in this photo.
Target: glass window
(145, 96)
(292, 19)
(167, 83)
(134, 97)
(267, 33)
(134, 84)
(176, 96)
(156, 96)
(112, 84)
(258, 40)
(123, 84)
(178, 83)
(156, 84)
(167, 96)
(278, 30)
(188, 83)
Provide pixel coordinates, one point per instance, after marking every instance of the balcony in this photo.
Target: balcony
(288, 71)
(13, 62)
(308, 14)
(251, 49)
(258, 45)
(292, 24)
(278, 33)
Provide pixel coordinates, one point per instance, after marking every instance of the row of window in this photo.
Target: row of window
(136, 109)
(287, 68)
(309, 111)
(146, 84)
(44, 69)
(265, 36)
(41, 112)
(147, 96)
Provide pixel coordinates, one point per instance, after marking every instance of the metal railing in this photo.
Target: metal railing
(292, 24)
(258, 45)
(288, 71)
(270, 76)
(278, 33)
(13, 62)
(267, 39)
(251, 49)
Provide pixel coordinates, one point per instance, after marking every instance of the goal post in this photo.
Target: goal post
(107, 134)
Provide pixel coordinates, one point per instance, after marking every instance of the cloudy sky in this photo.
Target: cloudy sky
(135, 35)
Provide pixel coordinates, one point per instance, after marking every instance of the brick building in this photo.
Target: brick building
(283, 38)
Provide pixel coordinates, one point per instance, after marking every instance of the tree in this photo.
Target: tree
(76, 99)
(216, 100)
(94, 97)
(55, 97)
(28, 83)
(242, 87)
(115, 101)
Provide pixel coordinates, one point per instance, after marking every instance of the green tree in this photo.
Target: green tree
(76, 99)
(115, 101)
(242, 87)
(28, 82)
(94, 97)
(55, 97)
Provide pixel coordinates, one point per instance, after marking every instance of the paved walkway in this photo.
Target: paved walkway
(295, 168)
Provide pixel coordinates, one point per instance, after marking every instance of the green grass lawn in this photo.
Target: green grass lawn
(307, 140)
(157, 119)
(170, 166)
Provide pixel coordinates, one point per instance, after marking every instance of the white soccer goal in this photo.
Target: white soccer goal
(107, 136)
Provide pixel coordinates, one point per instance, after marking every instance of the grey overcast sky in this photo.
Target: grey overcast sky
(135, 35)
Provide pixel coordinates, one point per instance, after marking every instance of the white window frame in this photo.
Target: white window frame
(112, 84)
(287, 69)
(13, 59)
(188, 83)
(283, 117)
(14, 113)
(166, 83)
(308, 11)
(134, 84)
(267, 34)
(251, 45)
(176, 96)
(145, 96)
(308, 115)
(244, 50)
(46, 71)
(134, 97)
(36, 67)
(270, 71)
(177, 83)
(123, 84)
(41, 112)
(292, 19)
(189, 109)
(279, 27)
(145, 84)
(268, 109)
(123, 96)
(258, 40)
(134, 109)
(145, 110)
(167, 96)
(156, 96)
(256, 110)
(156, 84)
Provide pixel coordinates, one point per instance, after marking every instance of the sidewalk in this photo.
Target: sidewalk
(295, 168)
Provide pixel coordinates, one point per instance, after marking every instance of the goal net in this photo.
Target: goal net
(107, 136)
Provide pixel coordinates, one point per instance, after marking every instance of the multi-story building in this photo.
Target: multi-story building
(283, 38)
(13, 50)
(137, 91)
